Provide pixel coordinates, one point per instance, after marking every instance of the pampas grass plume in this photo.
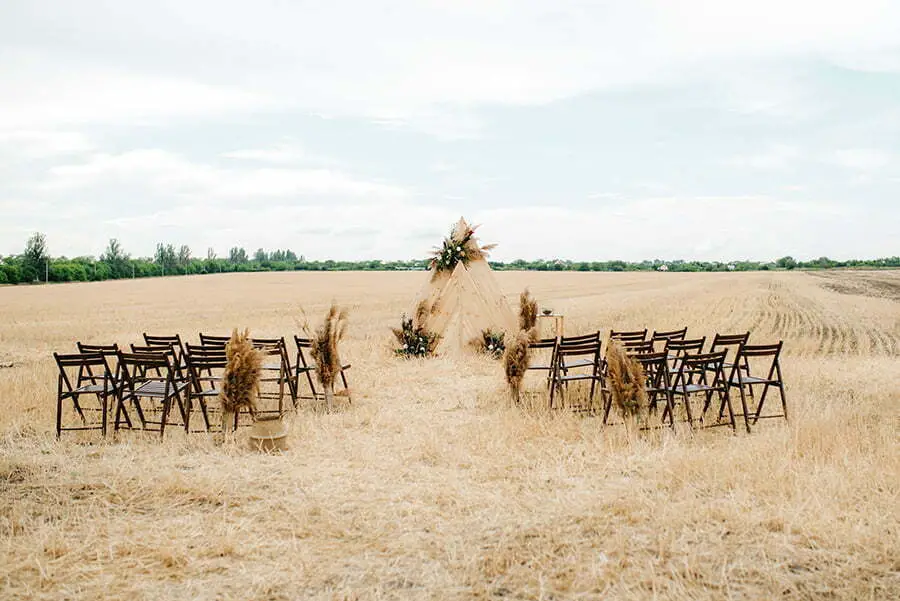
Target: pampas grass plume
(528, 310)
(626, 381)
(240, 381)
(515, 362)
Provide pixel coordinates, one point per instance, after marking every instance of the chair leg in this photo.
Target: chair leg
(346, 386)
(59, 401)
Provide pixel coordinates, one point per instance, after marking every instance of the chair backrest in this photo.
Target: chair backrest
(110, 351)
(570, 340)
(194, 352)
(680, 348)
(135, 365)
(697, 368)
(582, 349)
(731, 343)
(760, 358)
(656, 369)
(543, 343)
(637, 347)
(628, 335)
(73, 365)
(173, 341)
(670, 334)
(211, 340)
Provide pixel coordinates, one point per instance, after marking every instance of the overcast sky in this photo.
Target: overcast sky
(359, 129)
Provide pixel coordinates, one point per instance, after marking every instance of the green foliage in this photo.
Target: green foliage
(35, 255)
(493, 343)
(414, 340)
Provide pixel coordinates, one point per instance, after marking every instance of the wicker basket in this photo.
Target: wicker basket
(268, 434)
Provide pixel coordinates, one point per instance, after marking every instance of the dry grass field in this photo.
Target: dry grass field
(429, 486)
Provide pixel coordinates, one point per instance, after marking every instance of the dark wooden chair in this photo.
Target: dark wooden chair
(274, 370)
(306, 367)
(278, 366)
(154, 376)
(762, 359)
(657, 383)
(574, 363)
(205, 365)
(73, 385)
(704, 374)
(631, 336)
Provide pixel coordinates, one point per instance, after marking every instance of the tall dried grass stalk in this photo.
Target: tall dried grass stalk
(626, 383)
(528, 311)
(240, 380)
(515, 362)
(324, 350)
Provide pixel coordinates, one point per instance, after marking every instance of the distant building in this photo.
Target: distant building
(731, 267)
(662, 268)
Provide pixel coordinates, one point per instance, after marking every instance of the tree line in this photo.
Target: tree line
(35, 264)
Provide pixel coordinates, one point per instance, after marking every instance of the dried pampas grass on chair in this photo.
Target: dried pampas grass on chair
(240, 381)
(324, 350)
(626, 384)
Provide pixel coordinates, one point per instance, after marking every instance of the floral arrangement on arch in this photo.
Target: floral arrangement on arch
(457, 247)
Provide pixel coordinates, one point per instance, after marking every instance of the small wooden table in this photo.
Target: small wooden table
(558, 323)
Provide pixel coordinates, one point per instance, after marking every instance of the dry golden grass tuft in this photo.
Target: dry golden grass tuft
(240, 381)
(625, 381)
(432, 486)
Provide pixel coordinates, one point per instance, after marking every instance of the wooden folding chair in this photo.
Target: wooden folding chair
(623, 336)
(273, 371)
(277, 362)
(658, 336)
(762, 358)
(585, 355)
(100, 384)
(704, 374)
(205, 365)
(657, 383)
(140, 381)
(307, 368)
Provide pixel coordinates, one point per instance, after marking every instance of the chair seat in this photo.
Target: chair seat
(210, 392)
(755, 380)
(272, 366)
(95, 388)
(155, 388)
(576, 377)
(691, 388)
(577, 363)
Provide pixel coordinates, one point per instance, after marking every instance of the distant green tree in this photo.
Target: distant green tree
(35, 256)
(237, 255)
(787, 262)
(118, 261)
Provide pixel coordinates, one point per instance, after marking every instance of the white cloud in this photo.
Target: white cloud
(423, 65)
(776, 157)
(864, 160)
(159, 171)
(31, 144)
